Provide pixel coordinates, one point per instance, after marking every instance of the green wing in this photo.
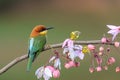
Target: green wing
(36, 45)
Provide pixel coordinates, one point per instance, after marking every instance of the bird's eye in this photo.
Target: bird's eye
(42, 30)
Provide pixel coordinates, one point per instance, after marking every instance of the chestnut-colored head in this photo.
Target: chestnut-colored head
(39, 30)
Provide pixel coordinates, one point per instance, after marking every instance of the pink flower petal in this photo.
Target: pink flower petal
(39, 72)
(70, 43)
(101, 49)
(100, 53)
(99, 61)
(111, 60)
(99, 68)
(104, 40)
(67, 65)
(117, 69)
(52, 58)
(72, 63)
(51, 68)
(111, 26)
(105, 68)
(112, 31)
(57, 63)
(81, 56)
(48, 72)
(116, 44)
(56, 74)
(91, 69)
(65, 43)
(91, 47)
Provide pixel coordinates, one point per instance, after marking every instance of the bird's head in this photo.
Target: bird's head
(39, 30)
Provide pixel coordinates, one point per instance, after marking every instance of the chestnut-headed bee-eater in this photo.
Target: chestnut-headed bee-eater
(36, 43)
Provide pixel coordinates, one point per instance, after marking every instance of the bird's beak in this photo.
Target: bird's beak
(48, 28)
(45, 31)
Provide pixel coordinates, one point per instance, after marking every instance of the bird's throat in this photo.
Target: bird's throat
(43, 33)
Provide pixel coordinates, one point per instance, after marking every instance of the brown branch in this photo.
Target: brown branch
(21, 58)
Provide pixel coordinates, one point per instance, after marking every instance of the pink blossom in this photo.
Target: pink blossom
(91, 47)
(47, 73)
(99, 60)
(51, 68)
(72, 63)
(39, 72)
(72, 50)
(117, 69)
(99, 68)
(68, 48)
(104, 40)
(78, 52)
(52, 59)
(56, 61)
(67, 43)
(114, 30)
(105, 67)
(67, 65)
(111, 60)
(116, 44)
(91, 69)
(44, 72)
(101, 49)
(56, 73)
(100, 53)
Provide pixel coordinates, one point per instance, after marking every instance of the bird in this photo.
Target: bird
(37, 42)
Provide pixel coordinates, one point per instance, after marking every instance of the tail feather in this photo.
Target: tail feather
(30, 60)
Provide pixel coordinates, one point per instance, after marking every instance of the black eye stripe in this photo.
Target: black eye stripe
(42, 30)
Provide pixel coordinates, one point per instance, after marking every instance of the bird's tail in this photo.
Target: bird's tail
(30, 60)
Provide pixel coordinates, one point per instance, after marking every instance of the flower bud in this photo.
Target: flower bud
(91, 47)
(104, 40)
(116, 44)
(99, 60)
(72, 63)
(117, 69)
(105, 68)
(51, 68)
(101, 49)
(111, 60)
(56, 73)
(91, 69)
(100, 53)
(99, 68)
(67, 66)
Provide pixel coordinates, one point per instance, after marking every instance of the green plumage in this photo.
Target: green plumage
(36, 45)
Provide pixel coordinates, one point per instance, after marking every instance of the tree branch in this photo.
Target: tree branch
(21, 58)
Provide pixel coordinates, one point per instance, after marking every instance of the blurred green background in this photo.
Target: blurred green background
(18, 17)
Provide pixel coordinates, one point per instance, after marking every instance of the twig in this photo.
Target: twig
(12, 63)
(21, 58)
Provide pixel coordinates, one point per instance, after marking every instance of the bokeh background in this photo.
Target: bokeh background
(18, 17)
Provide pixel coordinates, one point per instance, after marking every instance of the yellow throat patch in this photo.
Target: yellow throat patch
(43, 32)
